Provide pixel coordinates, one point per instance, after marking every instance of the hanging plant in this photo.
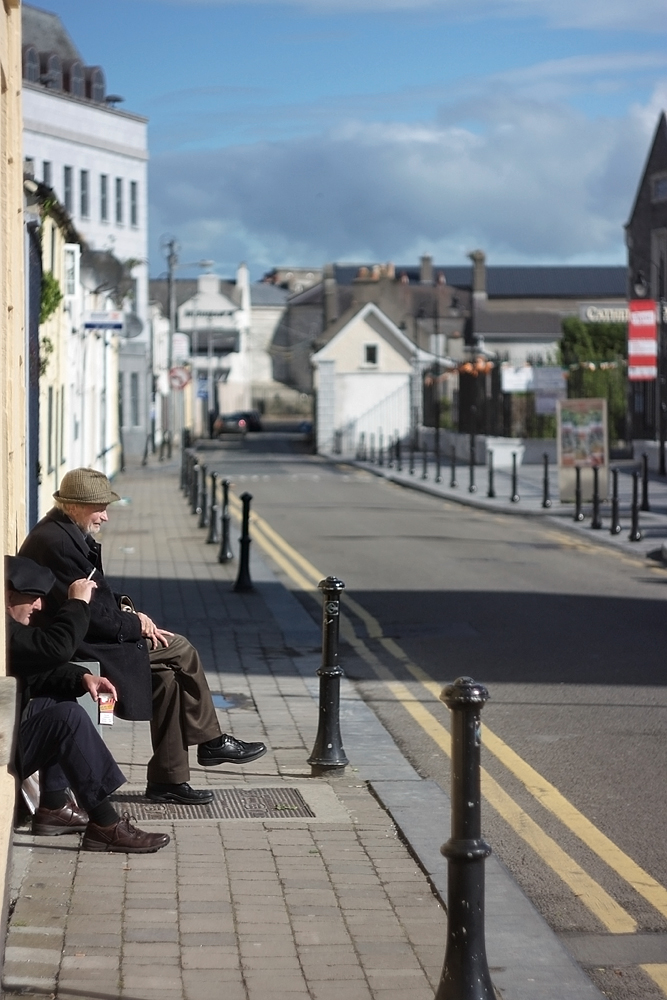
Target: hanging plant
(51, 296)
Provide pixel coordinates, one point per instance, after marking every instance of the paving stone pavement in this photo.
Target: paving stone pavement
(332, 907)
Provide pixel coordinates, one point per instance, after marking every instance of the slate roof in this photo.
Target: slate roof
(262, 293)
(521, 281)
(47, 33)
(539, 325)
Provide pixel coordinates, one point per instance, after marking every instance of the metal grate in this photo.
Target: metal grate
(228, 803)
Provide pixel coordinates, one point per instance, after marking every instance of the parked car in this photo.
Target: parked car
(237, 423)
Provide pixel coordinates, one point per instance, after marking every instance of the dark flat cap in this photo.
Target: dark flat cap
(27, 577)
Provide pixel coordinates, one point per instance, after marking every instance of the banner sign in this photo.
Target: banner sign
(642, 341)
(582, 443)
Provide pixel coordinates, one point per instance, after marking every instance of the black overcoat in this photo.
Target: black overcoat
(114, 636)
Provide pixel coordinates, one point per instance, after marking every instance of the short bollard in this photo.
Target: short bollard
(515, 487)
(635, 534)
(213, 536)
(371, 456)
(243, 582)
(328, 754)
(184, 465)
(399, 462)
(465, 975)
(546, 499)
(615, 526)
(645, 504)
(491, 493)
(424, 461)
(225, 553)
(194, 488)
(596, 520)
(185, 481)
(202, 505)
(452, 479)
(578, 513)
(471, 466)
(411, 467)
(380, 450)
(438, 470)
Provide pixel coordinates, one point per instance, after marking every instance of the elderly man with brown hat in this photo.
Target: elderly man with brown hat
(158, 674)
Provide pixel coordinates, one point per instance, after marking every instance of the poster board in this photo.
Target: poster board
(582, 441)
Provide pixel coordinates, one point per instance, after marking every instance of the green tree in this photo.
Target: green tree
(595, 355)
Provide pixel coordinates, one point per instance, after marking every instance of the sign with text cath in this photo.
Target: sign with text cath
(642, 341)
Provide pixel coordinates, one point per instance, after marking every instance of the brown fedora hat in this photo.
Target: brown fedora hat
(85, 486)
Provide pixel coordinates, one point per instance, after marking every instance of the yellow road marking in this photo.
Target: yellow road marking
(658, 974)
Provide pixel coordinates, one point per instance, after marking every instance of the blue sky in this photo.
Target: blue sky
(382, 129)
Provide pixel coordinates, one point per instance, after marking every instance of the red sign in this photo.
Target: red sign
(642, 341)
(179, 377)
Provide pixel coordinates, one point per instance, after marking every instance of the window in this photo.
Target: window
(659, 188)
(29, 166)
(84, 194)
(49, 432)
(52, 72)
(134, 207)
(76, 79)
(68, 192)
(30, 64)
(104, 198)
(134, 398)
(47, 175)
(121, 398)
(95, 84)
(71, 268)
(119, 200)
(371, 354)
(61, 429)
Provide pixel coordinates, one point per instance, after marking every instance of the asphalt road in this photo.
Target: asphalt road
(568, 637)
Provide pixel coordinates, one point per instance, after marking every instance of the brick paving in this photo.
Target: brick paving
(333, 908)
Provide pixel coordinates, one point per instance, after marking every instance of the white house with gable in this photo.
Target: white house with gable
(368, 381)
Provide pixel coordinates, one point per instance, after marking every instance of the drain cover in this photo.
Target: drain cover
(228, 803)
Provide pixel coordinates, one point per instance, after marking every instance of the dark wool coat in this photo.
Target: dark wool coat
(114, 636)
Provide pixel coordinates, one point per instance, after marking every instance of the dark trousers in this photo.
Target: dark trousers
(58, 739)
(183, 711)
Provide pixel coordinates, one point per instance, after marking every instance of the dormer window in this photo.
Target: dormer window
(659, 188)
(31, 64)
(370, 354)
(75, 79)
(52, 71)
(96, 87)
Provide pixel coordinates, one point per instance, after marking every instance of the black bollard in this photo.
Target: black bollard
(438, 470)
(225, 553)
(243, 582)
(213, 536)
(194, 488)
(424, 461)
(635, 534)
(465, 974)
(411, 467)
(471, 465)
(645, 504)
(546, 499)
(491, 493)
(380, 450)
(328, 754)
(515, 494)
(614, 527)
(578, 513)
(371, 457)
(184, 465)
(452, 479)
(202, 503)
(596, 520)
(399, 463)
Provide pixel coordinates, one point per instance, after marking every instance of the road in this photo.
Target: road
(568, 637)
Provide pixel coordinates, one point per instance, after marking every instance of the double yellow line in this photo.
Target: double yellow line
(613, 917)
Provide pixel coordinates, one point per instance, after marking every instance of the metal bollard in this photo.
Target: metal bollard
(465, 974)
(213, 536)
(614, 527)
(380, 450)
(225, 553)
(194, 489)
(452, 479)
(491, 493)
(371, 457)
(635, 534)
(546, 499)
(645, 504)
(243, 582)
(399, 463)
(328, 754)
(184, 465)
(596, 521)
(578, 514)
(411, 467)
(471, 466)
(424, 461)
(515, 495)
(438, 470)
(202, 504)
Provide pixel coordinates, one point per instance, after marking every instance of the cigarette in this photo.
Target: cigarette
(90, 575)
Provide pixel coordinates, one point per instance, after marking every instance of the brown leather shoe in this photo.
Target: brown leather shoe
(70, 818)
(123, 838)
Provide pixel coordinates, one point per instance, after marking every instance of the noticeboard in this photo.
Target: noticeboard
(582, 441)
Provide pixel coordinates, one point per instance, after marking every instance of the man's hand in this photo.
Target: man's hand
(82, 590)
(95, 686)
(157, 636)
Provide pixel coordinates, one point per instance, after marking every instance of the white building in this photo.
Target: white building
(94, 156)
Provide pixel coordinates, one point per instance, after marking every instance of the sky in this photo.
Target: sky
(379, 130)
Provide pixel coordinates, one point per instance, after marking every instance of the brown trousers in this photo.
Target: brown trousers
(183, 712)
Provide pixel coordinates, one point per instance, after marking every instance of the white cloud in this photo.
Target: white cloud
(533, 181)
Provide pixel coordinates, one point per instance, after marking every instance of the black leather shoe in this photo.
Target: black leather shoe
(227, 750)
(158, 792)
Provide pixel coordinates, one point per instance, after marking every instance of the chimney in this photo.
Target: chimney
(426, 269)
(330, 296)
(478, 258)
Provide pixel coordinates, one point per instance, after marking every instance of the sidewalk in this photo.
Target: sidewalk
(290, 887)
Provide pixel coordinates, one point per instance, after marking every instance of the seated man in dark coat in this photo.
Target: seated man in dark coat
(55, 734)
(147, 664)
